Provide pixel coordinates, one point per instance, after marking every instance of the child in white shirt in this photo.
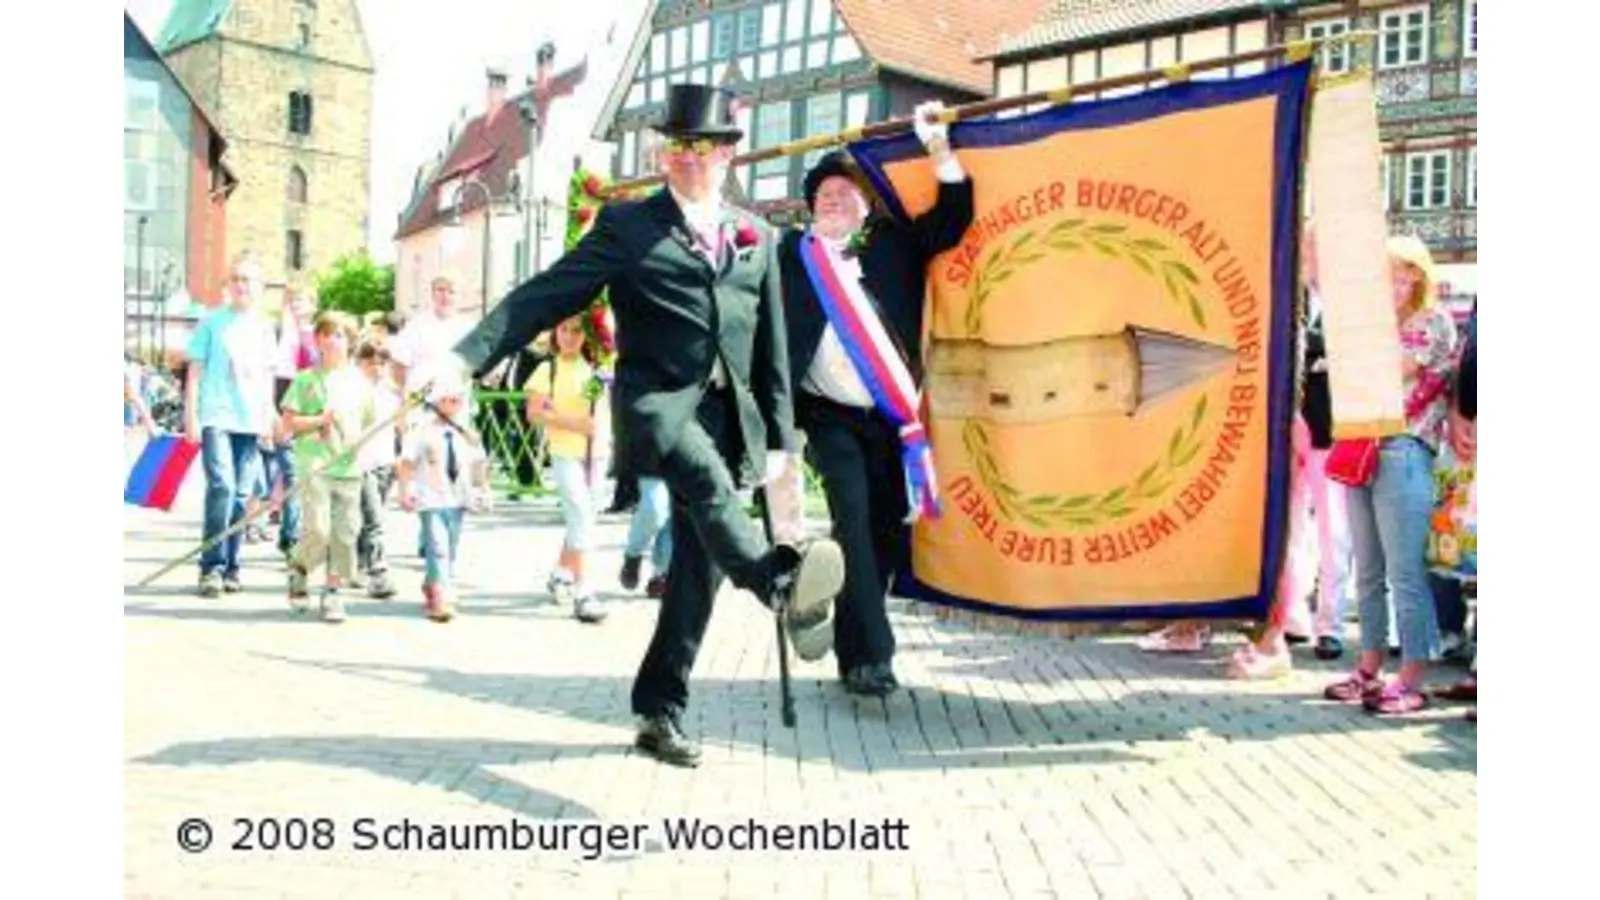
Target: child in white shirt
(376, 460)
(442, 471)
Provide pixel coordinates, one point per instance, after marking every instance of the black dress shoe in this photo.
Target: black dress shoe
(870, 680)
(661, 737)
(886, 676)
(1329, 647)
(629, 577)
(863, 682)
(1295, 640)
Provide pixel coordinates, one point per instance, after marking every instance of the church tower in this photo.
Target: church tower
(290, 83)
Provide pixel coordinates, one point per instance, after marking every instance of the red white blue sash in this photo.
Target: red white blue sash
(879, 364)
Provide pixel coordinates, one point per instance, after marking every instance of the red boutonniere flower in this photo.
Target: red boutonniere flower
(745, 240)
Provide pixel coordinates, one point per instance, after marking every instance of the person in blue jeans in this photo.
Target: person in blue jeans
(227, 409)
(1389, 516)
(441, 473)
(649, 530)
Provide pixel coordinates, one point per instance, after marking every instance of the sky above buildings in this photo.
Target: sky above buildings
(430, 58)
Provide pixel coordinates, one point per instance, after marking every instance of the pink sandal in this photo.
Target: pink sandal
(1357, 686)
(1396, 699)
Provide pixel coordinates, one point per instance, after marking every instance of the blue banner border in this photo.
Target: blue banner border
(1289, 84)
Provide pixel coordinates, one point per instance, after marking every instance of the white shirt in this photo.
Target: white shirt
(427, 448)
(704, 217)
(832, 375)
(380, 451)
(426, 341)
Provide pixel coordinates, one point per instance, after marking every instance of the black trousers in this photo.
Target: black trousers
(857, 453)
(712, 538)
(1449, 605)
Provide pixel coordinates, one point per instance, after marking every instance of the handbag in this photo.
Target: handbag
(1353, 461)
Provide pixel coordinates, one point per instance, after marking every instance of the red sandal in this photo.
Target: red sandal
(1354, 688)
(1396, 699)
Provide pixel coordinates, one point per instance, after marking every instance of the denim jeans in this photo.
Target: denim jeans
(279, 464)
(375, 485)
(652, 516)
(231, 463)
(441, 539)
(1389, 529)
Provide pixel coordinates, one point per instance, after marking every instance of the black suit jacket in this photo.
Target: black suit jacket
(894, 269)
(675, 314)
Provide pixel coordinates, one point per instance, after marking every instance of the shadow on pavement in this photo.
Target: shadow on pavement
(459, 766)
(922, 726)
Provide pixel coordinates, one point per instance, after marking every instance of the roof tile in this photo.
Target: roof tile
(1069, 21)
(936, 40)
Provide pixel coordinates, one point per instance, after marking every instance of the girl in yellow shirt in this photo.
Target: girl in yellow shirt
(560, 402)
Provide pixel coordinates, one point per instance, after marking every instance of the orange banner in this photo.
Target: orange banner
(1110, 355)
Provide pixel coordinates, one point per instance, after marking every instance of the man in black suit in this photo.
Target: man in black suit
(701, 394)
(853, 444)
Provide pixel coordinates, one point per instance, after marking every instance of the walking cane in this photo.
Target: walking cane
(785, 691)
(418, 398)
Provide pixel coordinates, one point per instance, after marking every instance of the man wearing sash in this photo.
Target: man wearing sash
(853, 292)
(700, 399)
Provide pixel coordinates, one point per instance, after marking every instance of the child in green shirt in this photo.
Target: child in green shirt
(327, 409)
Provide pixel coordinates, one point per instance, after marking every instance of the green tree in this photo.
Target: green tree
(354, 284)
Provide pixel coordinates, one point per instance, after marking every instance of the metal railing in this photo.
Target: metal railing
(515, 448)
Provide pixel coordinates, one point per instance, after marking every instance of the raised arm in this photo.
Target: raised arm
(542, 301)
(942, 226)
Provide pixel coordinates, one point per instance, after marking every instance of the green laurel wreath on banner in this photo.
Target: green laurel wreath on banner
(1085, 510)
(1109, 239)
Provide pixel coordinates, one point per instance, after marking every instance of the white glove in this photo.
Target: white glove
(926, 130)
(778, 462)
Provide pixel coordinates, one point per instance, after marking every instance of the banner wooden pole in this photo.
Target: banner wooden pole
(1293, 51)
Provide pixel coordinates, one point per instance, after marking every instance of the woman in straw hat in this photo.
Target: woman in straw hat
(1389, 516)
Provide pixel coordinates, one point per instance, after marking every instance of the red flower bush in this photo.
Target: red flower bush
(600, 328)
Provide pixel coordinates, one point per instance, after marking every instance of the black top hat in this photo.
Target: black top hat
(699, 111)
(836, 162)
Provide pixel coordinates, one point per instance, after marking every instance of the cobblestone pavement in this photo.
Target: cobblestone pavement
(1021, 765)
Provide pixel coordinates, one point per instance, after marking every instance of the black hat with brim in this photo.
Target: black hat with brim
(699, 111)
(836, 163)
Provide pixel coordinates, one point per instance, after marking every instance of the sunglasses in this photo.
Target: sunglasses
(697, 146)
